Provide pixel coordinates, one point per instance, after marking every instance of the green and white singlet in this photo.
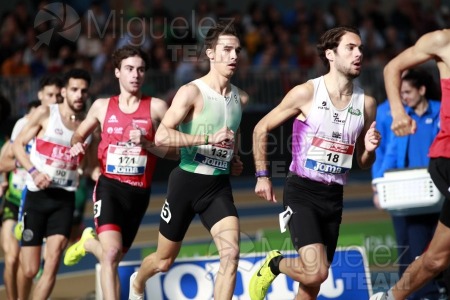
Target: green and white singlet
(218, 111)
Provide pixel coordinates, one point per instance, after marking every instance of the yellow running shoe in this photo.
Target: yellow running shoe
(261, 280)
(18, 229)
(76, 252)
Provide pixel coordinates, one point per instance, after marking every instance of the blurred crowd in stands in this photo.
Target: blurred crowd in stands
(273, 36)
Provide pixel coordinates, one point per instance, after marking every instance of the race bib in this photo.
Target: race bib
(57, 163)
(328, 156)
(217, 156)
(126, 160)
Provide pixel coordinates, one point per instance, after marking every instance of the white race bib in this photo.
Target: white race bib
(327, 156)
(124, 160)
(217, 156)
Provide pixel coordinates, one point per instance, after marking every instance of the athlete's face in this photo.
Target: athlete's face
(224, 57)
(75, 94)
(131, 74)
(411, 95)
(49, 94)
(348, 56)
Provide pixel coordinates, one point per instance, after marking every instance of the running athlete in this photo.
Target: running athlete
(16, 285)
(52, 180)
(333, 118)
(127, 157)
(431, 46)
(203, 119)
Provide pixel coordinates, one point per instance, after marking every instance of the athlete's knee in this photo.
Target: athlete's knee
(311, 278)
(29, 271)
(11, 259)
(229, 253)
(164, 264)
(111, 255)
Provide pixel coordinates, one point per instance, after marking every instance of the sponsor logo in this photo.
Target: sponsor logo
(336, 135)
(336, 147)
(215, 163)
(327, 168)
(59, 131)
(113, 119)
(337, 120)
(115, 130)
(355, 112)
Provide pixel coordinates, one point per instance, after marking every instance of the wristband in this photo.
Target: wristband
(262, 173)
(31, 170)
(206, 139)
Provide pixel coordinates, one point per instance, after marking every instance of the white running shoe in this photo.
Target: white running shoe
(379, 296)
(132, 295)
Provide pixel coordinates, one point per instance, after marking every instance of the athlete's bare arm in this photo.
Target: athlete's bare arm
(296, 103)
(431, 46)
(34, 128)
(94, 118)
(369, 139)
(183, 104)
(158, 110)
(7, 159)
(237, 166)
(37, 123)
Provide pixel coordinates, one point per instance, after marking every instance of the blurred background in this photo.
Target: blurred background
(279, 41)
(278, 37)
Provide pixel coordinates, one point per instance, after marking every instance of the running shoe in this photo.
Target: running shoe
(379, 296)
(77, 251)
(132, 295)
(261, 280)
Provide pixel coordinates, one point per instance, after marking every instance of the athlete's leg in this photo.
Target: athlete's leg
(110, 243)
(310, 268)
(55, 245)
(427, 266)
(226, 237)
(159, 261)
(10, 247)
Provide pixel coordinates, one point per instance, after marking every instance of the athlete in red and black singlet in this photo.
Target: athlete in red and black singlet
(116, 128)
(122, 193)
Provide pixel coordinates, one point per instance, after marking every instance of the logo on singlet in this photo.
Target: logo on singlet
(355, 112)
(321, 167)
(113, 119)
(337, 120)
(323, 106)
(336, 135)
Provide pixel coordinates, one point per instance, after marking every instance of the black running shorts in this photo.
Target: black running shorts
(189, 194)
(317, 212)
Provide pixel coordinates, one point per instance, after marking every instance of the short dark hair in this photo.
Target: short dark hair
(331, 39)
(218, 29)
(76, 74)
(129, 51)
(50, 79)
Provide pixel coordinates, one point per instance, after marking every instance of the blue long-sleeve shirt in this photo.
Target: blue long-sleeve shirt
(411, 151)
(383, 125)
